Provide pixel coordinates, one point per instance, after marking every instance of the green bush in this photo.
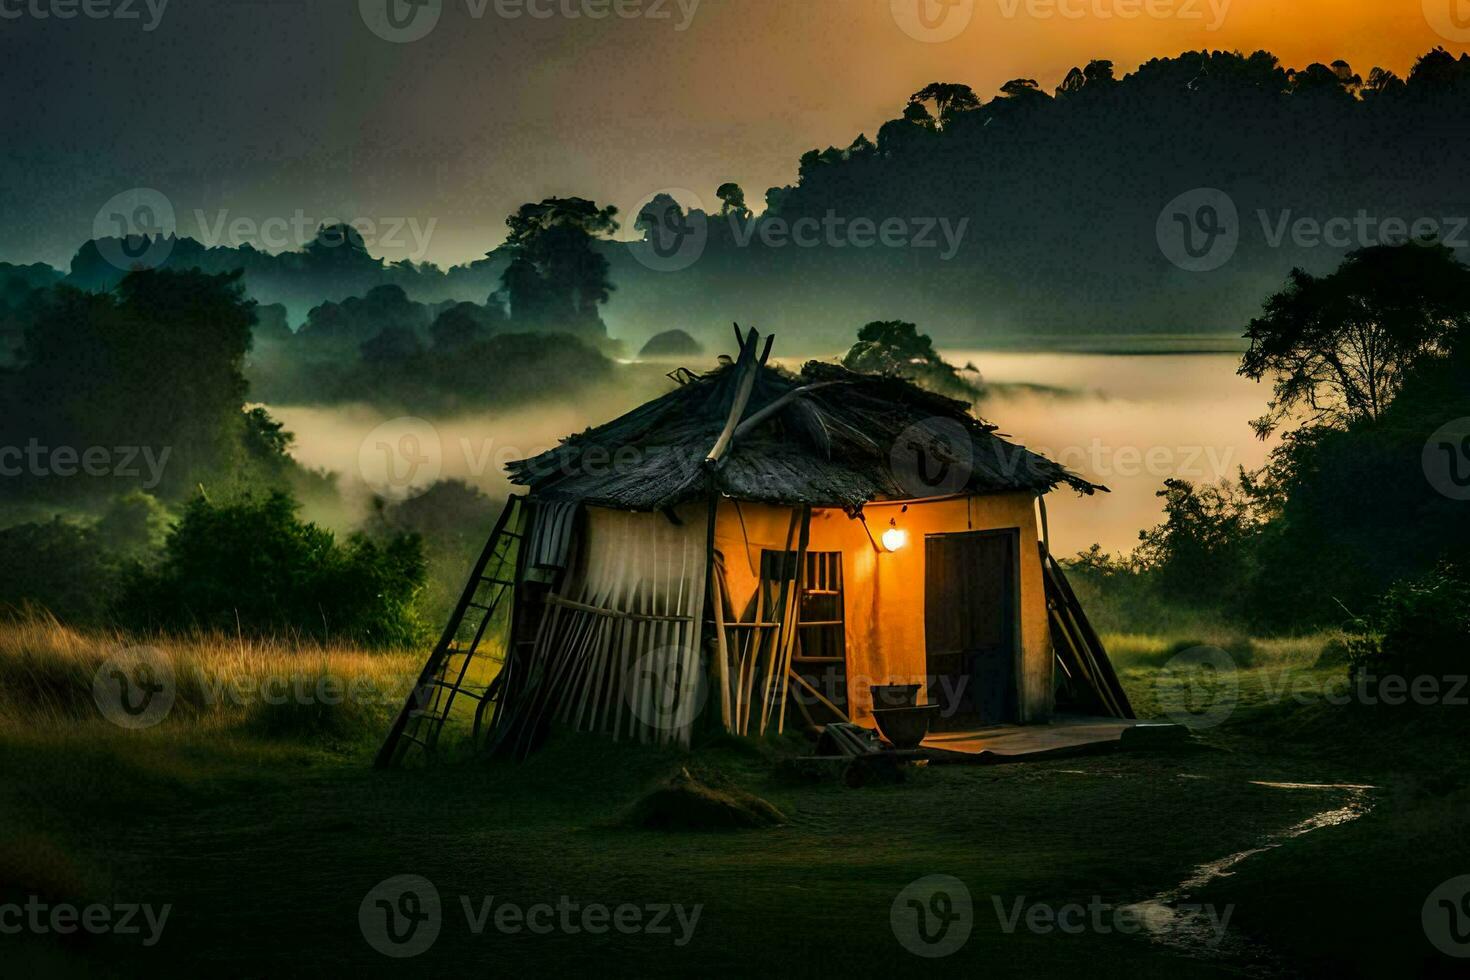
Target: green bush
(452, 519)
(133, 526)
(1421, 627)
(254, 567)
(61, 566)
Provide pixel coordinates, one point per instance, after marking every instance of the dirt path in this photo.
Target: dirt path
(1172, 919)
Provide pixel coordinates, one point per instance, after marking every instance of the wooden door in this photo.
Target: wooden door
(971, 616)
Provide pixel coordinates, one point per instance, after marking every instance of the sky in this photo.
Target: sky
(255, 120)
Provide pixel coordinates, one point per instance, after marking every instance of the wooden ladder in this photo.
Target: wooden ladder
(447, 674)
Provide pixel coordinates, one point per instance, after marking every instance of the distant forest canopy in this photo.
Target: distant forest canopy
(1025, 214)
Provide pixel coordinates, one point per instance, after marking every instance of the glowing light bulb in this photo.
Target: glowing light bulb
(895, 538)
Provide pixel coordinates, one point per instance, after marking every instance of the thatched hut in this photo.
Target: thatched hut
(758, 549)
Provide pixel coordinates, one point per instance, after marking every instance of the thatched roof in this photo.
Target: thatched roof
(845, 439)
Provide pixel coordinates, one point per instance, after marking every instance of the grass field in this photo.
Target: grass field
(257, 819)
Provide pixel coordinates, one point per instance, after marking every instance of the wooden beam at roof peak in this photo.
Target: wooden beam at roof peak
(778, 404)
(747, 366)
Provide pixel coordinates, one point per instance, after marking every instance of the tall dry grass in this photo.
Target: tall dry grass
(218, 683)
(244, 717)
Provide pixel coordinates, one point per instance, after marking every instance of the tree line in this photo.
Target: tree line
(1360, 516)
(1091, 163)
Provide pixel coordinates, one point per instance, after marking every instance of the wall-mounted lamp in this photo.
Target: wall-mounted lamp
(895, 537)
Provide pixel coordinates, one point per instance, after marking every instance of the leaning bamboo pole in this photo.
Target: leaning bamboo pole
(722, 649)
(747, 365)
(797, 583)
(773, 651)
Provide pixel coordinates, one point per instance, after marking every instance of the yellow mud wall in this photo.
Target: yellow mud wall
(884, 591)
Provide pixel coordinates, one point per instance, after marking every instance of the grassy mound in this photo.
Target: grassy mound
(685, 803)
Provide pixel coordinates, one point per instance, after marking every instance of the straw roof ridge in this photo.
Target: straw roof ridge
(839, 438)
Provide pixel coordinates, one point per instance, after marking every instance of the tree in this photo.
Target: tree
(1337, 82)
(1382, 83)
(265, 439)
(59, 566)
(394, 345)
(732, 200)
(461, 325)
(1338, 347)
(919, 115)
(135, 525)
(1350, 79)
(271, 326)
(1023, 90)
(1438, 72)
(556, 279)
(358, 319)
(1095, 79)
(157, 364)
(1201, 552)
(1421, 627)
(339, 247)
(1099, 71)
(449, 518)
(896, 347)
(949, 99)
